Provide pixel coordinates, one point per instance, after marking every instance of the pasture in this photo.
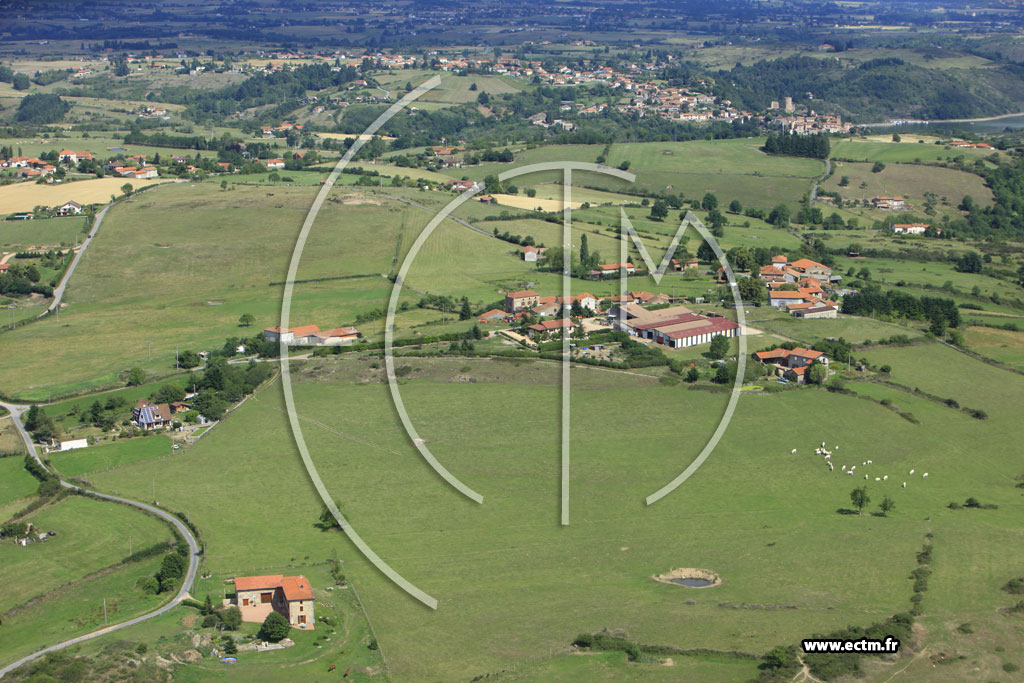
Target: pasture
(911, 182)
(453, 89)
(15, 481)
(91, 535)
(557, 581)
(41, 233)
(77, 610)
(909, 150)
(117, 454)
(1004, 346)
(731, 169)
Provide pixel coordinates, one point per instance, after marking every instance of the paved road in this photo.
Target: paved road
(58, 293)
(190, 575)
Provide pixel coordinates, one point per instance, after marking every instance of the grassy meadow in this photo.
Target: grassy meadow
(732, 169)
(123, 452)
(25, 196)
(514, 586)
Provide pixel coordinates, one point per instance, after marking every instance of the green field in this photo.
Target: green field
(910, 181)
(41, 232)
(1001, 345)
(123, 452)
(906, 151)
(508, 574)
(732, 169)
(15, 481)
(91, 535)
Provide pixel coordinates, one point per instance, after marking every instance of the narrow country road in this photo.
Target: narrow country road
(814, 185)
(58, 293)
(16, 412)
(435, 211)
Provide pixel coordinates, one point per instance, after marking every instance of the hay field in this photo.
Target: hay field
(28, 195)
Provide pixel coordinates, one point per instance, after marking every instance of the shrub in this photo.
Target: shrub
(1010, 667)
(210, 620)
(275, 628)
(1015, 586)
(885, 369)
(965, 628)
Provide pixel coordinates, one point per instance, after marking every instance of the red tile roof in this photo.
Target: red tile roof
(252, 583)
(296, 588)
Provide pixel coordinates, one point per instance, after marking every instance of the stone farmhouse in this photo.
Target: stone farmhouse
(290, 596)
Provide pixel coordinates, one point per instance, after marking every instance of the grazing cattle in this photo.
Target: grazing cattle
(877, 478)
(904, 484)
(865, 477)
(924, 476)
(869, 462)
(885, 478)
(844, 468)
(911, 471)
(793, 451)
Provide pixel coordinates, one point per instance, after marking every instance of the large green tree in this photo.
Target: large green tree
(859, 498)
(719, 347)
(275, 628)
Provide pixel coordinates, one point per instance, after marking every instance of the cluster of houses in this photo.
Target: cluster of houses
(311, 335)
(791, 364)
(810, 123)
(640, 314)
(290, 596)
(801, 287)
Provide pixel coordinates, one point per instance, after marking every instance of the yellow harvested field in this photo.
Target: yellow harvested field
(532, 203)
(25, 196)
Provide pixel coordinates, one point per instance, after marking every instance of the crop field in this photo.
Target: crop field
(25, 196)
(77, 462)
(559, 581)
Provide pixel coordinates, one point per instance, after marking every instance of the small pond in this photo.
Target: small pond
(693, 583)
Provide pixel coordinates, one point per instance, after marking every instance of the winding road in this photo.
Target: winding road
(16, 411)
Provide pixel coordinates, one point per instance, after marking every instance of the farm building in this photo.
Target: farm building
(531, 254)
(73, 444)
(521, 300)
(493, 315)
(795, 361)
(545, 326)
(613, 269)
(312, 335)
(813, 309)
(889, 203)
(290, 596)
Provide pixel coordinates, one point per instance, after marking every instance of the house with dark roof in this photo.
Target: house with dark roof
(791, 361)
(146, 415)
(290, 596)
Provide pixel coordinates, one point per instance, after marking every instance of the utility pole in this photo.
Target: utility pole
(104, 611)
(129, 546)
(175, 357)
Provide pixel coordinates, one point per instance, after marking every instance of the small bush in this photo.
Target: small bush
(1015, 586)
(1010, 667)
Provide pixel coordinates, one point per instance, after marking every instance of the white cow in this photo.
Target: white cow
(904, 484)
(924, 476)
(911, 471)
(878, 479)
(885, 478)
(793, 451)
